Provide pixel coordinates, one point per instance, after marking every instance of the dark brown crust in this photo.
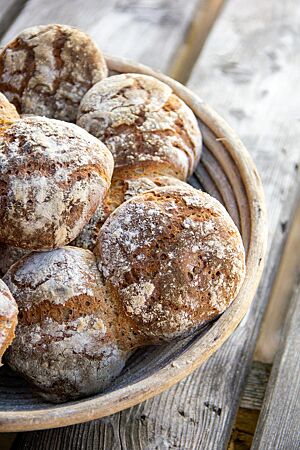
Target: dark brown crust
(126, 183)
(46, 70)
(76, 341)
(142, 121)
(53, 176)
(173, 258)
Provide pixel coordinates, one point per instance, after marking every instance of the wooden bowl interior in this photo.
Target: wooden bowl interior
(219, 174)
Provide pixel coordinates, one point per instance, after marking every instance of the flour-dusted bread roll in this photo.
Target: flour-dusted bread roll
(7, 111)
(125, 183)
(53, 176)
(8, 318)
(173, 258)
(130, 181)
(69, 341)
(46, 70)
(9, 255)
(142, 122)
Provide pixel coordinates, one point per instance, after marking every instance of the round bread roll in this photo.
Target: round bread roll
(46, 70)
(8, 112)
(142, 122)
(173, 258)
(8, 318)
(53, 176)
(130, 181)
(125, 184)
(9, 255)
(69, 341)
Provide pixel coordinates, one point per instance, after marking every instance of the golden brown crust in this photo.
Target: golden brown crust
(173, 258)
(141, 120)
(46, 70)
(53, 176)
(8, 318)
(69, 342)
(8, 112)
(126, 183)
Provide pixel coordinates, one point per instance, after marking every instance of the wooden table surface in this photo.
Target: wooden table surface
(243, 58)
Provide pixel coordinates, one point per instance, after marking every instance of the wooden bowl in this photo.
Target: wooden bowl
(227, 172)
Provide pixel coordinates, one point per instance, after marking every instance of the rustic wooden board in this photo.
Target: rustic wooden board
(255, 387)
(249, 71)
(9, 10)
(146, 31)
(278, 425)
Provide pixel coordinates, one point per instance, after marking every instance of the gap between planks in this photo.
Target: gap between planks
(278, 425)
(180, 65)
(240, 76)
(270, 332)
(176, 31)
(198, 32)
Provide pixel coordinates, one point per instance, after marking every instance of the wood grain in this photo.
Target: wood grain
(278, 425)
(255, 388)
(189, 51)
(9, 10)
(270, 331)
(146, 31)
(154, 370)
(249, 71)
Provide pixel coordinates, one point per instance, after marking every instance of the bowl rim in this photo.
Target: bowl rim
(109, 403)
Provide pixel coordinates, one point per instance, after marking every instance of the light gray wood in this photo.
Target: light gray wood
(279, 421)
(9, 9)
(249, 72)
(255, 388)
(146, 31)
(152, 371)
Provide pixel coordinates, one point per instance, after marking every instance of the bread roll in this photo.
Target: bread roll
(53, 176)
(8, 318)
(173, 258)
(46, 70)
(69, 340)
(142, 122)
(126, 183)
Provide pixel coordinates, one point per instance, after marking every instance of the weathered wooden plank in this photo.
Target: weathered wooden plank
(8, 12)
(250, 405)
(278, 425)
(188, 52)
(270, 331)
(248, 70)
(255, 387)
(143, 30)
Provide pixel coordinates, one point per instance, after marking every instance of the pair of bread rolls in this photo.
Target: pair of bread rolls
(53, 175)
(166, 261)
(166, 258)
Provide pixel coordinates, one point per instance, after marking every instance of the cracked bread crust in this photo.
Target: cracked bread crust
(173, 258)
(141, 120)
(68, 341)
(8, 318)
(53, 176)
(125, 184)
(46, 70)
(8, 112)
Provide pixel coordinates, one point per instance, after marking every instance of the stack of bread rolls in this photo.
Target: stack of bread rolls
(104, 247)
